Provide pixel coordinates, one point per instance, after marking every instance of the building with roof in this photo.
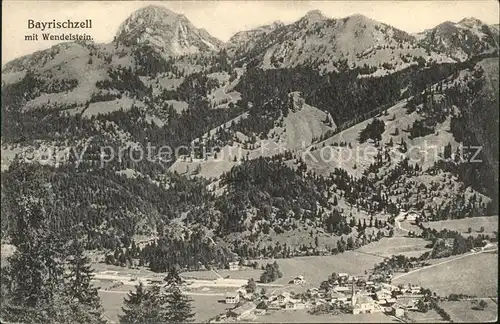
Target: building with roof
(361, 304)
(337, 297)
(342, 289)
(408, 304)
(243, 311)
(283, 298)
(234, 266)
(298, 280)
(294, 304)
(232, 298)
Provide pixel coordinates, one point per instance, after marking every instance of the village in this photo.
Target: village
(341, 293)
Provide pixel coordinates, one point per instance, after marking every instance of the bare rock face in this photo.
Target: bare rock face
(166, 32)
(297, 100)
(467, 38)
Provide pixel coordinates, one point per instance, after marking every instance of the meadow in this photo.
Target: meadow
(431, 316)
(302, 316)
(490, 224)
(462, 312)
(316, 269)
(408, 246)
(205, 307)
(475, 275)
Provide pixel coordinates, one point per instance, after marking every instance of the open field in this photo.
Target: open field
(205, 307)
(210, 275)
(112, 303)
(475, 274)
(410, 226)
(408, 246)
(301, 316)
(462, 312)
(125, 271)
(316, 269)
(490, 224)
(430, 316)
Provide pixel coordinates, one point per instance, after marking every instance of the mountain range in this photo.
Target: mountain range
(277, 107)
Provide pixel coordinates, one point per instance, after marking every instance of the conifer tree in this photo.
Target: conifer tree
(32, 282)
(177, 305)
(79, 287)
(142, 306)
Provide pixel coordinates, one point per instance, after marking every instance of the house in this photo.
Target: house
(313, 291)
(283, 298)
(448, 243)
(409, 296)
(343, 275)
(243, 311)
(322, 251)
(337, 297)
(383, 294)
(389, 287)
(411, 217)
(232, 298)
(298, 280)
(408, 304)
(390, 300)
(399, 312)
(264, 298)
(234, 266)
(360, 282)
(295, 304)
(341, 289)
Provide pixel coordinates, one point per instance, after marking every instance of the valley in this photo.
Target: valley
(322, 170)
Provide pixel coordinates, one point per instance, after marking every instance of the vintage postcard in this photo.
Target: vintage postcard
(249, 161)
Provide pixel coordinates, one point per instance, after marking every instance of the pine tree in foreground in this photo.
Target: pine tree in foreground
(143, 306)
(34, 287)
(79, 287)
(133, 311)
(177, 305)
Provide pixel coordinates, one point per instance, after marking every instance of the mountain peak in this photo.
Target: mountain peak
(154, 12)
(314, 16)
(277, 23)
(470, 22)
(358, 17)
(167, 32)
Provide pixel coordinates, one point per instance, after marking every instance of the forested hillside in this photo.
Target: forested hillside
(85, 109)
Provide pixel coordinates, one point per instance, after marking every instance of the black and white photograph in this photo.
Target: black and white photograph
(249, 162)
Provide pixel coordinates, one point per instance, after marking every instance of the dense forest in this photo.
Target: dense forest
(343, 94)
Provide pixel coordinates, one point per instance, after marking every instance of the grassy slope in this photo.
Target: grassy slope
(489, 223)
(461, 311)
(472, 275)
(300, 129)
(361, 155)
(396, 245)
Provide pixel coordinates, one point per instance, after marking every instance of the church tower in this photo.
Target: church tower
(353, 294)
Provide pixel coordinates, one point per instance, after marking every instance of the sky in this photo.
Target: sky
(223, 19)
